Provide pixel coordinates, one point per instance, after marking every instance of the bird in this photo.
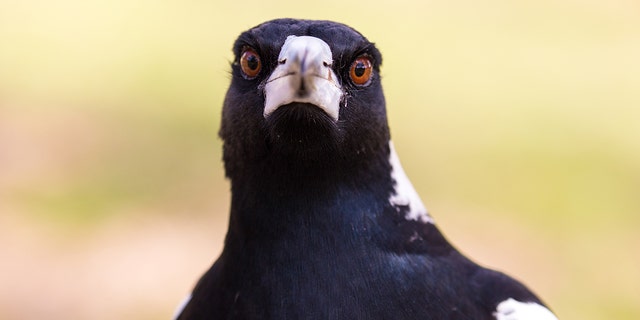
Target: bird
(324, 222)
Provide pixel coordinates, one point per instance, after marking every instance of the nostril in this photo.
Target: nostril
(283, 61)
(326, 64)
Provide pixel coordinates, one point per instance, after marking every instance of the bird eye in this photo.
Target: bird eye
(360, 71)
(250, 63)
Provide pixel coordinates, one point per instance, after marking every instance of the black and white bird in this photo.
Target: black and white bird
(324, 223)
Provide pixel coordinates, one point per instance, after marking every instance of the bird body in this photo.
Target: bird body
(324, 223)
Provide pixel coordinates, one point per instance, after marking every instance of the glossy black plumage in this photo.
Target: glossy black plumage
(312, 233)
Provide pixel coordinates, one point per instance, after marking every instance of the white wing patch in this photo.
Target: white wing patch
(512, 309)
(181, 306)
(404, 193)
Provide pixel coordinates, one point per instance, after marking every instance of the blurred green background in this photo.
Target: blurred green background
(517, 121)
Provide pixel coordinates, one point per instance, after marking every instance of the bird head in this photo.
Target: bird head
(304, 95)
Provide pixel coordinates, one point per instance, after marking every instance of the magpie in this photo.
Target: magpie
(324, 223)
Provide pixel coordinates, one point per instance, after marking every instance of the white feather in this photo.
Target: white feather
(404, 193)
(512, 309)
(181, 306)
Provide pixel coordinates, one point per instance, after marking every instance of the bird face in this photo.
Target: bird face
(302, 91)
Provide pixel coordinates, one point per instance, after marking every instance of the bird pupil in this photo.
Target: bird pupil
(252, 62)
(360, 69)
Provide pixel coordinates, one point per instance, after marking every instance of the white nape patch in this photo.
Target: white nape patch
(181, 307)
(405, 194)
(304, 75)
(512, 309)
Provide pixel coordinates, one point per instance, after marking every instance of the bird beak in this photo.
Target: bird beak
(304, 75)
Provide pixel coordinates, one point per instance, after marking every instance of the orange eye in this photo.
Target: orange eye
(360, 71)
(250, 63)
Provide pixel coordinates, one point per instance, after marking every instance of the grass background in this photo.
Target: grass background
(517, 121)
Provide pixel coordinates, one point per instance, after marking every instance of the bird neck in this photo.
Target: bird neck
(270, 201)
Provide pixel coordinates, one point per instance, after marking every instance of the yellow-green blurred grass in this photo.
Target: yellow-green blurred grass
(518, 122)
